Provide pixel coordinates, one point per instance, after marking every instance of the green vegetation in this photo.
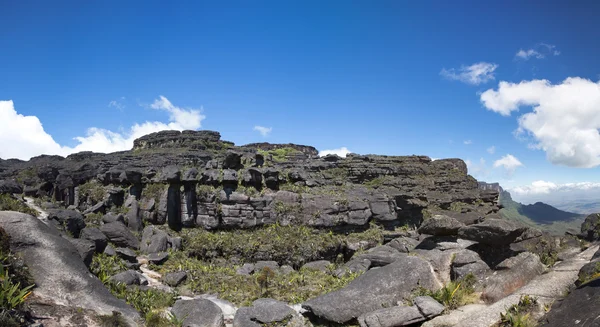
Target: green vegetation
(114, 320)
(379, 181)
(153, 191)
(293, 245)
(336, 173)
(15, 284)
(8, 203)
(519, 315)
(92, 191)
(293, 287)
(105, 266)
(279, 155)
(206, 191)
(93, 219)
(156, 319)
(586, 277)
(454, 294)
(26, 175)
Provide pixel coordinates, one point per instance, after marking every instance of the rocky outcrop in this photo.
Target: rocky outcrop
(198, 313)
(510, 275)
(267, 312)
(423, 308)
(590, 229)
(579, 308)
(57, 268)
(378, 288)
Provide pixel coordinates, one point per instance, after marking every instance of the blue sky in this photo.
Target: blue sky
(379, 77)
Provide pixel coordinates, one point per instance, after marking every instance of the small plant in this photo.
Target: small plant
(519, 315)
(92, 191)
(105, 266)
(12, 295)
(264, 279)
(154, 191)
(144, 301)
(114, 320)
(156, 319)
(454, 294)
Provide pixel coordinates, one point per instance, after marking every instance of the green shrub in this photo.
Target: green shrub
(279, 155)
(144, 301)
(454, 294)
(92, 191)
(105, 266)
(8, 203)
(114, 320)
(12, 294)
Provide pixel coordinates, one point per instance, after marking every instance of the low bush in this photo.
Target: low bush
(519, 315)
(105, 266)
(9, 203)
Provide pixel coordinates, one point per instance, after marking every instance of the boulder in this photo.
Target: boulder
(72, 221)
(10, 187)
(267, 312)
(354, 266)
(381, 255)
(492, 232)
(117, 233)
(129, 277)
(590, 229)
(320, 265)
(158, 258)
(85, 248)
(375, 289)
(579, 308)
(133, 216)
(403, 244)
(126, 254)
(468, 262)
(112, 217)
(198, 313)
(95, 235)
(246, 269)
(173, 279)
(424, 307)
(153, 240)
(110, 251)
(440, 225)
(57, 269)
(510, 275)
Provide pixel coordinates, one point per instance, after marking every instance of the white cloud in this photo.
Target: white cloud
(475, 74)
(565, 119)
(468, 142)
(539, 51)
(491, 150)
(508, 162)
(264, 131)
(544, 187)
(117, 104)
(24, 137)
(342, 152)
(477, 169)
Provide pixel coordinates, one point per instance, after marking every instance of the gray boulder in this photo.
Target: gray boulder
(10, 187)
(590, 229)
(57, 268)
(118, 234)
(153, 240)
(375, 289)
(198, 313)
(133, 215)
(72, 221)
(129, 277)
(126, 254)
(85, 248)
(510, 275)
(158, 258)
(424, 307)
(492, 232)
(173, 279)
(440, 225)
(382, 255)
(468, 262)
(579, 308)
(320, 265)
(95, 235)
(354, 266)
(403, 244)
(267, 312)
(246, 269)
(112, 217)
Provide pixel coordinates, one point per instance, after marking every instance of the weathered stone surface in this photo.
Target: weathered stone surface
(246, 269)
(198, 313)
(118, 234)
(590, 228)
(382, 255)
(173, 279)
(133, 216)
(56, 267)
(10, 187)
(85, 249)
(158, 258)
(95, 235)
(440, 225)
(378, 288)
(468, 262)
(492, 231)
(510, 275)
(579, 308)
(153, 240)
(424, 308)
(72, 221)
(403, 244)
(129, 277)
(126, 254)
(267, 312)
(320, 265)
(354, 266)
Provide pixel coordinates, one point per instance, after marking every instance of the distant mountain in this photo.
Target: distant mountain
(582, 206)
(539, 214)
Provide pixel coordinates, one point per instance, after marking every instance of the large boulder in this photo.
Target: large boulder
(129, 277)
(424, 307)
(133, 215)
(468, 262)
(266, 312)
(57, 269)
(382, 255)
(579, 308)
(10, 187)
(72, 221)
(95, 235)
(117, 233)
(440, 225)
(590, 229)
(85, 248)
(154, 240)
(198, 313)
(492, 232)
(510, 275)
(375, 289)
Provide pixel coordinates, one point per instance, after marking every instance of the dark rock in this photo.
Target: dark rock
(468, 262)
(158, 258)
(403, 244)
(265, 312)
(198, 313)
(440, 225)
(133, 216)
(95, 235)
(171, 174)
(126, 254)
(579, 308)
(424, 308)
(85, 249)
(382, 255)
(153, 240)
(190, 175)
(320, 265)
(233, 160)
(590, 228)
(71, 220)
(175, 243)
(113, 217)
(378, 288)
(492, 232)
(57, 268)
(511, 274)
(354, 266)
(110, 251)
(99, 207)
(118, 234)
(10, 187)
(246, 269)
(173, 279)
(129, 277)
